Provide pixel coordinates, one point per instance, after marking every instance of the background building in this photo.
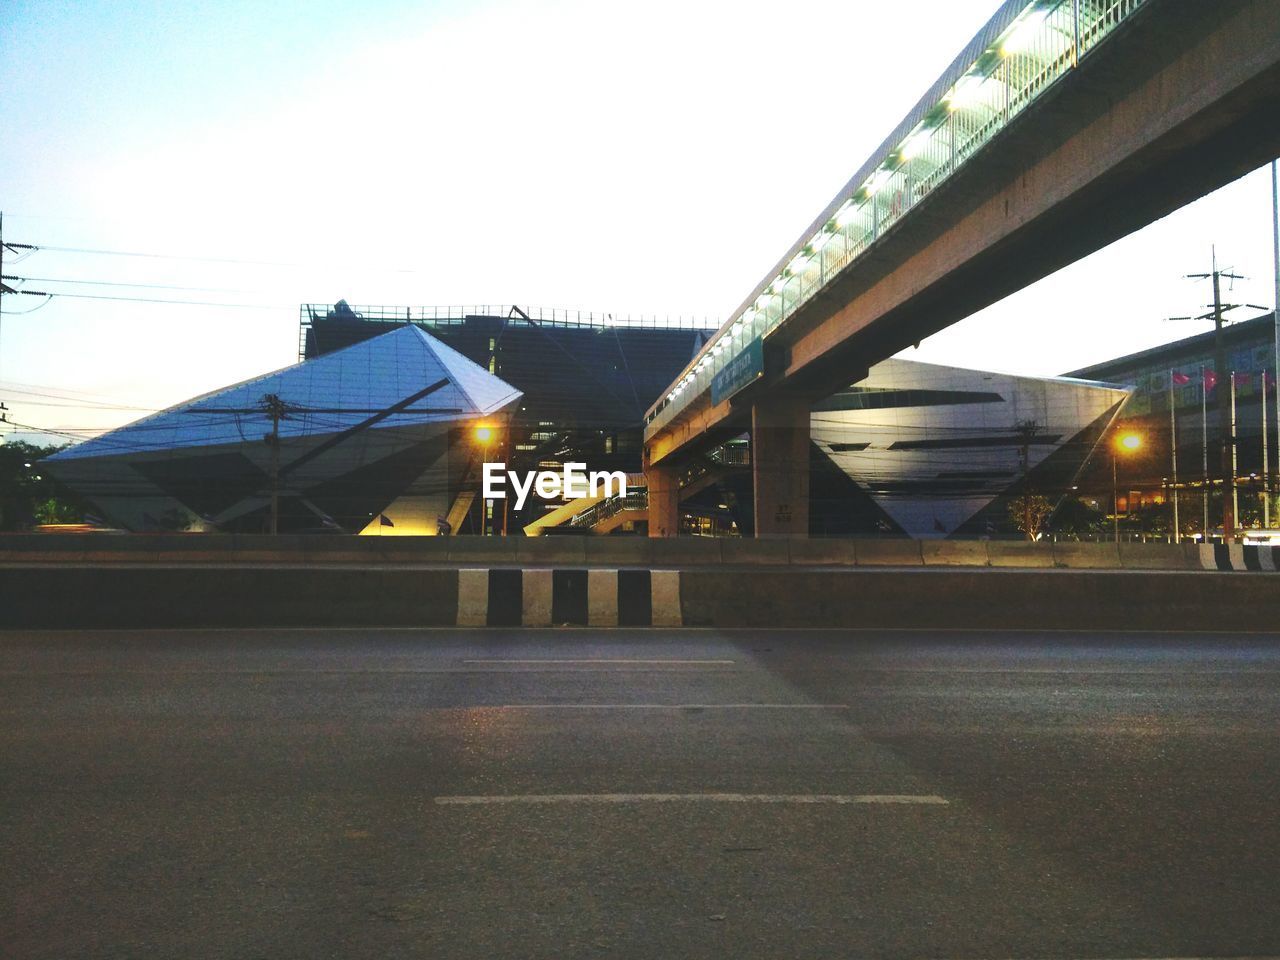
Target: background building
(1183, 375)
(587, 379)
(923, 451)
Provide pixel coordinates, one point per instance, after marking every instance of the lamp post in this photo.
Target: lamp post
(484, 436)
(1128, 443)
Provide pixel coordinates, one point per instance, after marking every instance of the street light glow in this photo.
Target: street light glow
(1130, 441)
(484, 434)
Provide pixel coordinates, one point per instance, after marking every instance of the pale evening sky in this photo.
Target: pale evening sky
(631, 158)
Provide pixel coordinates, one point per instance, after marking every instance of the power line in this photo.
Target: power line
(225, 260)
(40, 306)
(191, 303)
(167, 256)
(116, 283)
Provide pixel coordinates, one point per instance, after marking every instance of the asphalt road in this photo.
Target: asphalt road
(565, 794)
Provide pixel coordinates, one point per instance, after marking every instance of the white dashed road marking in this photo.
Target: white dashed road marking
(614, 798)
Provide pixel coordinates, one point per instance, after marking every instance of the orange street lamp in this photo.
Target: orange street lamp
(484, 436)
(1125, 443)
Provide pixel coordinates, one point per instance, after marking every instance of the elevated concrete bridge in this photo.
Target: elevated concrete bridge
(1063, 126)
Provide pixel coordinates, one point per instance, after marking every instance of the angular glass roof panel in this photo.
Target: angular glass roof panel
(332, 393)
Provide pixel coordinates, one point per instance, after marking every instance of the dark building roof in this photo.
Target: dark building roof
(1236, 337)
(583, 375)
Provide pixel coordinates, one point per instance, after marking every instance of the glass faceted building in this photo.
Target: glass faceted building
(927, 451)
(380, 433)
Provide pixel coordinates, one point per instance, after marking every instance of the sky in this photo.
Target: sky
(654, 158)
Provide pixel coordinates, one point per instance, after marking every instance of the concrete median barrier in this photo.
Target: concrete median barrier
(1006, 553)
(1086, 556)
(1154, 556)
(239, 595)
(954, 553)
(889, 553)
(824, 552)
(618, 551)
(482, 550)
(551, 551)
(97, 596)
(686, 551)
(988, 598)
(737, 550)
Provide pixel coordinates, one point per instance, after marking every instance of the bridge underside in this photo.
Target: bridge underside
(1184, 101)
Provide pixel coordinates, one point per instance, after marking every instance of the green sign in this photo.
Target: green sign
(742, 370)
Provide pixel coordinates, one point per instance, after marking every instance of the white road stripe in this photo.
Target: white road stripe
(602, 798)
(599, 660)
(674, 706)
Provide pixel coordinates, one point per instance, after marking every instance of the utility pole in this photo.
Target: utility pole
(1266, 457)
(1173, 453)
(4, 287)
(1235, 451)
(1205, 453)
(1225, 420)
(1275, 305)
(276, 410)
(1224, 413)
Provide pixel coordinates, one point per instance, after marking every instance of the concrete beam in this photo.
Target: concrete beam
(664, 500)
(780, 466)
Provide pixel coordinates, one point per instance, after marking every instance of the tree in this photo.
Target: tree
(1029, 513)
(1026, 432)
(1078, 520)
(28, 495)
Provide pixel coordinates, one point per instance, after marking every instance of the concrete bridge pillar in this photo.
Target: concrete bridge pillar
(780, 466)
(664, 500)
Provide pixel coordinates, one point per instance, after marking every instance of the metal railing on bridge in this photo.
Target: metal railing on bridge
(598, 513)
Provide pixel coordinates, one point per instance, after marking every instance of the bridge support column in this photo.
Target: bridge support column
(780, 466)
(664, 501)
